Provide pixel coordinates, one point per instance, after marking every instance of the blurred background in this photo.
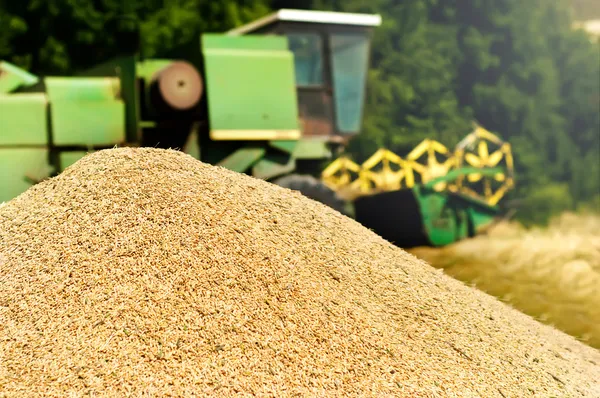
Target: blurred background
(527, 70)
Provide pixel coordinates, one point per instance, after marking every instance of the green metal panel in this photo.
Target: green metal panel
(23, 119)
(13, 77)
(306, 148)
(470, 209)
(69, 158)
(439, 217)
(256, 42)
(271, 166)
(83, 88)
(242, 159)
(481, 218)
(250, 88)
(86, 111)
(17, 166)
(312, 149)
(286, 146)
(123, 68)
(88, 123)
(446, 215)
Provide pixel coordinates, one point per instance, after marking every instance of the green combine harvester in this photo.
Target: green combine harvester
(277, 99)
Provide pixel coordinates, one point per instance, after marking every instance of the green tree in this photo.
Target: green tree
(578, 63)
(178, 21)
(62, 36)
(529, 76)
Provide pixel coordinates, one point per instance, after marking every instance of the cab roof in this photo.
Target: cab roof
(325, 17)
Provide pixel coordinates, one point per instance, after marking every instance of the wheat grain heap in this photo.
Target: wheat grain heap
(145, 271)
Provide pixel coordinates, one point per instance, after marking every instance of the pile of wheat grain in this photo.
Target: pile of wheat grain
(144, 271)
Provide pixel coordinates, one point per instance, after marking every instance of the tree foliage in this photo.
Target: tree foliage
(62, 36)
(529, 76)
(517, 67)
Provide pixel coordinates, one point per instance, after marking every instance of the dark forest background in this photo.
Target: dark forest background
(517, 67)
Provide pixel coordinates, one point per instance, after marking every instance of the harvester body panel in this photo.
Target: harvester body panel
(23, 142)
(13, 77)
(242, 106)
(123, 68)
(20, 167)
(23, 119)
(67, 158)
(86, 112)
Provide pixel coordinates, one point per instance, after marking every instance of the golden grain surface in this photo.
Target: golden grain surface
(143, 272)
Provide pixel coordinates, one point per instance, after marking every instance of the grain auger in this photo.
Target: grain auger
(433, 195)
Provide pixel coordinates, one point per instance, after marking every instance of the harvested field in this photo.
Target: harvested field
(552, 274)
(145, 272)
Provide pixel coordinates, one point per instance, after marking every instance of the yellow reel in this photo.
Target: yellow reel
(339, 173)
(386, 171)
(432, 168)
(386, 179)
(474, 151)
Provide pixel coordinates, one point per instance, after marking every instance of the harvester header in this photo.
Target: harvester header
(433, 195)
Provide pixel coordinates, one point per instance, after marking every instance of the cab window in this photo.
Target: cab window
(349, 56)
(308, 59)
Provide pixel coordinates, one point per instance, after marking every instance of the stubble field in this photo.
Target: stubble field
(552, 273)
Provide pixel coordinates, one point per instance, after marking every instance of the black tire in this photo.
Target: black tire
(314, 189)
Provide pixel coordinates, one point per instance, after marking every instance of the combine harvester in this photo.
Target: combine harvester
(276, 99)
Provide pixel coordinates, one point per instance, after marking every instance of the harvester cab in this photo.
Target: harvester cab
(331, 58)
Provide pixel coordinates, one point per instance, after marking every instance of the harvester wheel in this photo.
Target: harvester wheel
(314, 189)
